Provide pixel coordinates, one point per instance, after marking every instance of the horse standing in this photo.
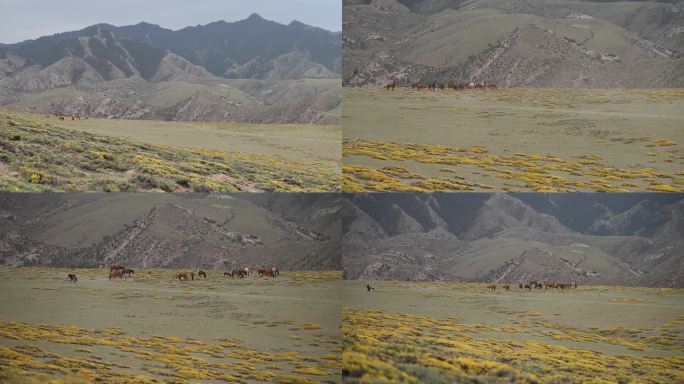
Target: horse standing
(116, 273)
(128, 272)
(202, 274)
(72, 277)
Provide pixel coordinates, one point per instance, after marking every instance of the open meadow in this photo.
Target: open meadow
(40, 153)
(513, 139)
(406, 332)
(153, 328)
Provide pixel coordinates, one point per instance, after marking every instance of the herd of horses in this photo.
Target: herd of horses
(61, 116)
(118, 271)
(434, 86)
(536, 285)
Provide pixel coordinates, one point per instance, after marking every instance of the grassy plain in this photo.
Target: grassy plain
(152, 328)
(47, 154)
(405, 332)
(513, 140)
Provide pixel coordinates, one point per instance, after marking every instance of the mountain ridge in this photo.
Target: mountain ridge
(635, 241)
(197, 72)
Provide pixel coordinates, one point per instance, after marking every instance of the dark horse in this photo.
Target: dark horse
(370, 287)
(202, 274)
(116, 273)
(72, 277)
(391, 86)
(238, 274)
(128, 272)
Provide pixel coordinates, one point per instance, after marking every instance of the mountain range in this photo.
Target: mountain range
(215, 231)
(518, 43)
(626, 239)
(195, 73)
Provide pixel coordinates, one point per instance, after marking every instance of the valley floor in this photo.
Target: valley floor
(405, 332)
(513, 139)
(152, 328)
(38, 153)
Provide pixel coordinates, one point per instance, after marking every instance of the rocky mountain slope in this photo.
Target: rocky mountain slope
(632, 239)
(171, 231)
(522, 43)
(147, 72)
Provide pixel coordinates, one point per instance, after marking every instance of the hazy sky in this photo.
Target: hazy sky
(28, 19)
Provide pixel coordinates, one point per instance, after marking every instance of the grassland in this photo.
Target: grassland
(407, 332)
(513, 139)
(45, 154)
(153, 329)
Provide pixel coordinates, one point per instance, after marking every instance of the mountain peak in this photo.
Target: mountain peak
(255, 17)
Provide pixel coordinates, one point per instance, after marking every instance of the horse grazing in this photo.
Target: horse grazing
(370, 287)
(72, 277)
(226, 274)
(182, 276)
(520, 286)
(202, 274)
(115, 267)
(267, 272)
(116, 273)
(490, 86)
(528, 287)
(492, 287)
(237, 273)
(507, 287)
(391, 86)
(128, 272)
(275, 271)
(247, 271)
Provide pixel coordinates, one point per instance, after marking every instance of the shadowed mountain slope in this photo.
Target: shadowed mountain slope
(633, 239)
(170, 231)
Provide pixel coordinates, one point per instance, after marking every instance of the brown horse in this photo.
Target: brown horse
(225, 274)
(492, 287)
(391, 86)
(490, 86)
(263, 272)
(72, 277)
(507, 287)
(115, 267)
(116, 273)
(528, 287)
(182, 276)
